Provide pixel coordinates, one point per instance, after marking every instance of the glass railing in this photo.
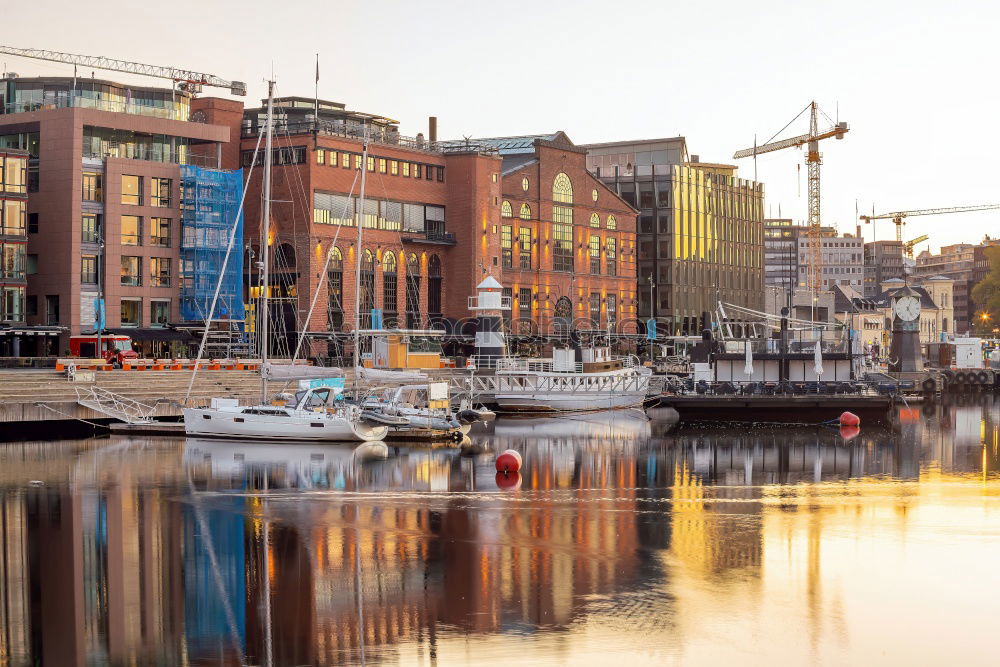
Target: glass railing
(176, 112)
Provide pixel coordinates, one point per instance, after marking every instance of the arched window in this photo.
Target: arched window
(335, 290)
(389, 291)
(368, 261)
(434, 287)
(284, 257)
(595, 220)
(336, 259)
(505, 210)
(367, 288)
(563, 314)
(525, 213)
(434, 267)
(412, 292)
(562, 189)
(612, 223)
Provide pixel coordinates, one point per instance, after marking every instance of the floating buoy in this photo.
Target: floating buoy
(849, 419)
(849, 432)
(509, 481)
(509, 461)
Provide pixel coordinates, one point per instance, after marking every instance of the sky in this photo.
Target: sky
(915, 80)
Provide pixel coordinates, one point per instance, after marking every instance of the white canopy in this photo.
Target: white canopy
(297, 372)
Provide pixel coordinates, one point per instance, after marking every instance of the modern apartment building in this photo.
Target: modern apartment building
(104, 200)
(883, 261)
(700, 233)
(13, 248)
(842, 260)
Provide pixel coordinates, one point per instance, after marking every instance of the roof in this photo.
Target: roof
(518, 145)
(635, 142)
(926, 302)
(489, 283)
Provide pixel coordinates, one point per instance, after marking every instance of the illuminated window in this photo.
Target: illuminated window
(381, 165)
(345, 160)
(394, 167)
(562, 252)
(159, 194)
(132, 190)
(357, 162)
(524, 241)
(611, 256)
(159, 271)
(595, 221)
(406, 169)
(389, 290)
(507, 246)
(159, 232)
(371, 163)
(320, 156)
(131, 230)
(524, 183)
(612, 223)
(505, 210)
(525, 213)
(593, 194)
(418, 171)
(92, 188)
(595, 254)
(562, 189)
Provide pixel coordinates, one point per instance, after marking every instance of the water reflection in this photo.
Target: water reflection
(680, 548)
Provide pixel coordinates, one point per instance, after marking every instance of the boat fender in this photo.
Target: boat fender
(849, 419)
(509, 481)
(509, 461)
(849, 432)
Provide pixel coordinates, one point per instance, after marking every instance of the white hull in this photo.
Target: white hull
(570, 392)
(295, 426)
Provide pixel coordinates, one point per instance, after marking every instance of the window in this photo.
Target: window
(406, 169)
(159, 194)
(593, 194)
(88, 269)
(131, 275)
(371, 163)
(381, 165)
(562, 254)
(32, 223)
(13, 216)
(12, 260)
(595, 221)
(562, 189)
(390, 300)
(394, 167)
(131, 230)
(525, 212)
(612, 223)
(51, 309)
(13, 172)
(524, 299)
(90, 228)
(611, 256)
(524, 183)
(440, 174)
(159, 271)
(159, 313)
(418, 171)
(31, 305)
(357, 162)
(93, 189)
(159, 232)
(31, 266)
(412, 292)
(331, 158)
(335, 290)
(595, 254)
(367, 288)
(345, 160)
(611, 308)
(132, 190)
(524, 241)
(505, 210)
(507, 246)
(595, 309)
(131, 312)
(320, 156)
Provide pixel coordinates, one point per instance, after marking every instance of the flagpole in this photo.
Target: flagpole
(316, 109)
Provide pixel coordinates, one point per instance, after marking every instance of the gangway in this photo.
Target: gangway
(115, 405)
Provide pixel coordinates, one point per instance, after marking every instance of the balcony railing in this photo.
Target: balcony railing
(438, 238)
(66, 101)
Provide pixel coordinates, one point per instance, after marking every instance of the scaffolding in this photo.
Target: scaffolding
(210, 200)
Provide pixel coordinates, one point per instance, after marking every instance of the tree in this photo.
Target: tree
(986, 294)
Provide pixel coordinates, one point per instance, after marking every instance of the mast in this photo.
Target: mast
(266, 225)
(357, 254)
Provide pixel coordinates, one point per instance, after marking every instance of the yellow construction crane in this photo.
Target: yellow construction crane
(899, 217)
(187, 80)
(813, 160)
(908, 245)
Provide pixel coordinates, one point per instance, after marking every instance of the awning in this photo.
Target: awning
(32, 331)
(138, 334)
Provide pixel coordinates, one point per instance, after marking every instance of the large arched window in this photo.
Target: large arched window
(563, 314)
(434, 287)
(283, 257)
(505, 210)
(389, 290)
(335, 290)
(367, 288)
(612, 223)
(562, 189)
(595, 220)
(412, 291)
(525, 213)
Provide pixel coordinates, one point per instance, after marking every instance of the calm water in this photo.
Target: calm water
(617, 542)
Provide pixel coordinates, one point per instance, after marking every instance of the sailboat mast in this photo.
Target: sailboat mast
(357, 254)
(266, 226)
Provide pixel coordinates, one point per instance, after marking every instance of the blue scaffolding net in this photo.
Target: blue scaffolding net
(210, 199)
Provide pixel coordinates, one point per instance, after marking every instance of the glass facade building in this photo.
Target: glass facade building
(701, 229)
(19, 95)
(13, 235)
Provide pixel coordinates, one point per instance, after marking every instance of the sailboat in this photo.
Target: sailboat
(313, 414)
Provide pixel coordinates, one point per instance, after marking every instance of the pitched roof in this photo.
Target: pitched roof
(926, 302)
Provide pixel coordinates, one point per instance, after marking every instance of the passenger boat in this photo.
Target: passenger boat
(427, 411)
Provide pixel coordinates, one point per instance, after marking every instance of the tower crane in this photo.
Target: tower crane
(187, 80)
(813, 160)
(898, 217)
(908, 245)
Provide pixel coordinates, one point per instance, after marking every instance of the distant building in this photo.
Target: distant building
(842, 261)
(701, 228)
(883, 261)
(963, 263)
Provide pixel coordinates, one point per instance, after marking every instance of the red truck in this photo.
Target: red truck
(115, 349)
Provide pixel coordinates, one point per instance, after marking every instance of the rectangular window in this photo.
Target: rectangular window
(357, 162)
(611, 257)
(93, 188)
(394, 167)
(132, 190)
(612, 311)
(562, 253)
(159, 313)
(381, 165)
(331, 158)
(14, 213)
(429, 172)
(371, 163)
(507, 246)
(595, 254)
(51, 309)
(418, 171)
(440, 174)
(32, 223)
(595, 309)
(90, 228)
(159, 232)
(131, 230)
(524, 242)
(406, 169)
(131, 275)
(320, 156)
(345, 160)
(131, 312)
(159, 271)
(524, 299)
(159, 194)
(88, 269)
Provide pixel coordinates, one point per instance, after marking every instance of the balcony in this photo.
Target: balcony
(431, 238)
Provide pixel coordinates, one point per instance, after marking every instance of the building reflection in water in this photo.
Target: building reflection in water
(200, 552)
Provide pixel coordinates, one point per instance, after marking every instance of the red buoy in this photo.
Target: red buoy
(849, 433)
(509, 461)
(850, 419)
(509, 481)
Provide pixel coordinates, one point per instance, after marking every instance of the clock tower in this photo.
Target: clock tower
(904, 353)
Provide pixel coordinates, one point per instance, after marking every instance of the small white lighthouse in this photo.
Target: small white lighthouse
(489, 304)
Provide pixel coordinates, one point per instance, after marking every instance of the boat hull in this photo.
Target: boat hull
(214, 423)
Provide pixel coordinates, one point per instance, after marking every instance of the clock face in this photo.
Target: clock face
(907, 308)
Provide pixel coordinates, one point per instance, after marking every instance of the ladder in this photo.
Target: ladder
(115, 405)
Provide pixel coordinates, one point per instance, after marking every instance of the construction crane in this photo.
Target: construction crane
(191, 82)
(899, 217)
(908, 245)
(813, 160)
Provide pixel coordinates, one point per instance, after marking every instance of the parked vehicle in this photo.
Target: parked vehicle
(114, 349)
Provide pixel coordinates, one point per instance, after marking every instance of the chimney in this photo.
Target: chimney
(432, 129)
(694, 158)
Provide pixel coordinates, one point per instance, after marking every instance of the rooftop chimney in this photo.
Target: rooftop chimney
(694, 158)
(432, 129)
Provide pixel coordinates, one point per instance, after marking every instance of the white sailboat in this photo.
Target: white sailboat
(313, 414)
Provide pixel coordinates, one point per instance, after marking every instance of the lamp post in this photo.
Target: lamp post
(100, 290)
